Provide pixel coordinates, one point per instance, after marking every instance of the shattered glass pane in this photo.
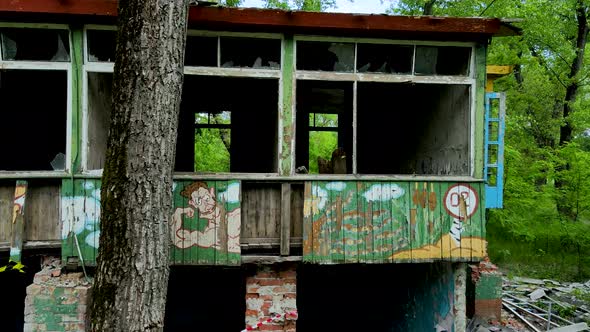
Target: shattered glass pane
(382, 58)
(325, 56)
(250, 52)
(35, 44)
(447, 60)
(201, 51)
(101, 45)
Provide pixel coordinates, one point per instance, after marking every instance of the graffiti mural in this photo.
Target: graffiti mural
(204, 226)
(351, 221)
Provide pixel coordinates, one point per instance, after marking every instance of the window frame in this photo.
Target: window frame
(261, 73)
(355, 77)
(45, 66)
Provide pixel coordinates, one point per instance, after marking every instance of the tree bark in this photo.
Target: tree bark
(132, 268)
(428, 7)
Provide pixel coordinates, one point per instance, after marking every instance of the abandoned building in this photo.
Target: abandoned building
(332, 170)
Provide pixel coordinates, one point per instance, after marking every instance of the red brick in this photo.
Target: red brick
(266, 297)
(290, 295)
(270, 282)
(271, 327)
(288, 274)
(487, 309)
(250, 312)
(266, 275)
(251, 296)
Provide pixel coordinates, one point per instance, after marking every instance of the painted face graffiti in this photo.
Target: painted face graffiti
(222, 229)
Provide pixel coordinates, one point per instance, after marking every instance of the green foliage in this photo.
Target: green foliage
(211, 154)
(307, 5)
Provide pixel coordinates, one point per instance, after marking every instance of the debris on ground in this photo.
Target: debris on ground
(540, 305)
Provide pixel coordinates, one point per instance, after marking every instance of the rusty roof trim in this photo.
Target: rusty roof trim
(257, 19)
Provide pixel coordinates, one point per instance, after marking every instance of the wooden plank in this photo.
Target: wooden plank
(221, 232)
(18, 220)
(42, 211)
(6, 204)
(285, 218)
(273, 177)
(67, 219)
(297, 210)
(447, 221)
(308, 240)
(350, 224)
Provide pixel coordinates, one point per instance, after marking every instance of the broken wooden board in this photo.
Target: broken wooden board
(18, 220)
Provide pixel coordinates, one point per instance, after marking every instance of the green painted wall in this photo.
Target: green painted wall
(382, 222)
(204, 225)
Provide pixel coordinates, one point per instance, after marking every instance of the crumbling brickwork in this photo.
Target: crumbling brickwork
(270, 292)
(56, 301)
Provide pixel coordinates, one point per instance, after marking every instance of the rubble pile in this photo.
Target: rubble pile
(541, 305)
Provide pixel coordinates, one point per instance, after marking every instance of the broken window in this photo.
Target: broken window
(324, 130)
(325, 56)
(384, 58)
(100, 96)
(250, 52)
(34, 44)
(444, 60)
(413, 129)
(101, 45)
(201, 51)
(212, 141)
(34, 119)
(229, 126)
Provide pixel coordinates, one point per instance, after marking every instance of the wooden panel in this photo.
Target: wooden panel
(6, 204)
(381, 222)
(80, 218)
(42, 215)
(262, 210)
(297, 210)
(285, 218)
(205, 224)
(18, 220)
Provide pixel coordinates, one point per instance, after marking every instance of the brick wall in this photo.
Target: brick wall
(56, 301)
(486, 284)
(271, 291)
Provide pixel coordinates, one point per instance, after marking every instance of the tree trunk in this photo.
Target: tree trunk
(132, 268)
(565, 134)
(428, 7)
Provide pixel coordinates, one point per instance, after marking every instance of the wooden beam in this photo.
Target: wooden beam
(18, 221)
(285, 218)
(269, 259)
(277, 20)
(493, 73)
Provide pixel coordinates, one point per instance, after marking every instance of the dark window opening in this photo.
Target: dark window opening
(35, 44)
(225, 124)
(228, 125)
(324, 127)
(101, 45)
(384, 58)
(431, 60)
(34, 119)
(250, 52)
(205, 299)
(325, 56)
(413, 129)
(201, 51)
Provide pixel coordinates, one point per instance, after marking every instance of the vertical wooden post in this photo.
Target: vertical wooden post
(285, 218)
(18, 221)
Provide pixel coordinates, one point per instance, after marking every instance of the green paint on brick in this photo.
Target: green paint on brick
(489, 287)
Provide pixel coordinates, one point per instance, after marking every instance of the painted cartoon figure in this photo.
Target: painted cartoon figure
(202, 198)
